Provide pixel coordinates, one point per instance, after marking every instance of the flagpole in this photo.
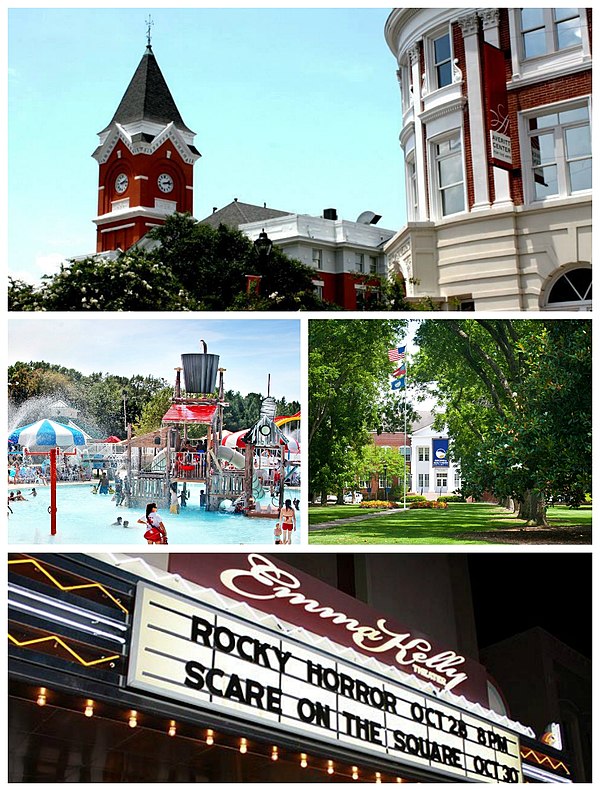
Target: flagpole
(405, 445)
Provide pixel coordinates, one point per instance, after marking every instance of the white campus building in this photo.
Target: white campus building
(433, 474)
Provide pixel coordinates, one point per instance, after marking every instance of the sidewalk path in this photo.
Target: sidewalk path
(361, 518)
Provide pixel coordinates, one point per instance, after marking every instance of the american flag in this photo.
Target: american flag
(396, 354)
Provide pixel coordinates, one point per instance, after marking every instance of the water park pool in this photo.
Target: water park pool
(85, 518)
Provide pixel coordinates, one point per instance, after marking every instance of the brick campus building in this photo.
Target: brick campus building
(496, 110)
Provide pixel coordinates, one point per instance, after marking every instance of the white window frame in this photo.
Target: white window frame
(317, 258)
(549, 26)
(373, 264)
(423, 453)
(318, 286)
(406, 85)
(435, 188)
(431, 78)
(525, 135)
(412, 186)
(439, 477)
(423, 480)
(555, 59)
(359, 262)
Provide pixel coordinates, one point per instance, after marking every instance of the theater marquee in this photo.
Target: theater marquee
(221, 663)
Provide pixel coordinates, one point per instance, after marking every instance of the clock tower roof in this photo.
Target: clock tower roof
(148, 98)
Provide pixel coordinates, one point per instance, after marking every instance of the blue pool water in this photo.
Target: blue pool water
(84, 518)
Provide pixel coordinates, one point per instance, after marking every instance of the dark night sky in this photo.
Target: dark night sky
(515, 591)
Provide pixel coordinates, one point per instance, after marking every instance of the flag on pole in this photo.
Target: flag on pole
(396, 354)
(399, 384)
(400, 371)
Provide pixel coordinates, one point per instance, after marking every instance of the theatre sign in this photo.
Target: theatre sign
(195, 653)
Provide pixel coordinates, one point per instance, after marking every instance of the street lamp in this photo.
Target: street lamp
(385, 479)
(263, 246)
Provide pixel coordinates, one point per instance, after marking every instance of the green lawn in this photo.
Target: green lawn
(426, 527)
(327, 513)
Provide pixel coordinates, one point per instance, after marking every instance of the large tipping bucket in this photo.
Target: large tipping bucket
(200, 371)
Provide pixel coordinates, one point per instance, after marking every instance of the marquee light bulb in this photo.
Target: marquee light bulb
(243, 745)
(210, 736)
(330, 769)
(172, 728)
(399, 780)
(378, 777)
(133, 719)
(355, 772)
(274, 753)
(303, 760)
(89, 708)
(41, 698)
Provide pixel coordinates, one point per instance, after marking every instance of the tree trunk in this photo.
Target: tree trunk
(323, 498)
(532, 508)
(340, 497)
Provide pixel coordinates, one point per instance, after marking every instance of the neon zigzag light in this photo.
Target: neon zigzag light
(527, 753)
(69, 588)
(65, 646)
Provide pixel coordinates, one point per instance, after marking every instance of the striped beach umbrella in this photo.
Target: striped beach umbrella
(46, 434)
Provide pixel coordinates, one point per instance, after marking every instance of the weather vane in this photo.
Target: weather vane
(149, 25)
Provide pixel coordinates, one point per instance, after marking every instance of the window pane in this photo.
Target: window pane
(542, 149)
(453, 200)
(543, 121)
(575, 286)
(568, 34)
(450, 170)
(577, 114)
(580, 175)
(545, 181)
(578, 141)
(441, 48)
(565, 13)
(534, 43)
(444, 75)
(532, 17)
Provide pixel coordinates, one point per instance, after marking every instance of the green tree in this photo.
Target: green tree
(348, 369)
(516, 397)
(385, 463)
(190, 267)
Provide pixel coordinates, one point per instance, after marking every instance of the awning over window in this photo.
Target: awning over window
(190, 413)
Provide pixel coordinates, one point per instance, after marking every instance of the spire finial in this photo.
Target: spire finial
(149, 26)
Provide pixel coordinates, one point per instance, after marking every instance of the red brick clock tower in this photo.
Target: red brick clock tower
(146, 157)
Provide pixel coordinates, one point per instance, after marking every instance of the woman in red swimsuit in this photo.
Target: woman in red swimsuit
(287, 518)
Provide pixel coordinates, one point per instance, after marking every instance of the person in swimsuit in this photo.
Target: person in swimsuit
(287, 518)
(153, 520)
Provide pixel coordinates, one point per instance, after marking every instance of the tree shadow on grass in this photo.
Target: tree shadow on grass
(420, 526)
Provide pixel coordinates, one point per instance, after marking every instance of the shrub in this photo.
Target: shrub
(429, 504)
(451, 498)
(415, 498)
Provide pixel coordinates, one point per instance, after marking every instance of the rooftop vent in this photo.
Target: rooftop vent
(330, 214)
(368, 218)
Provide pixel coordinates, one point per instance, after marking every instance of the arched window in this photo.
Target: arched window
(572, 291)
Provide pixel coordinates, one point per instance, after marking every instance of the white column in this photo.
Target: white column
(420, 158)
(469, 25)
(490, 18)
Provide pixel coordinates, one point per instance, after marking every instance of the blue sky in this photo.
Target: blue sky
(298, 108)
(250, 349)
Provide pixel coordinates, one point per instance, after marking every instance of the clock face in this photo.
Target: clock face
(165, 182)
(121, 182)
